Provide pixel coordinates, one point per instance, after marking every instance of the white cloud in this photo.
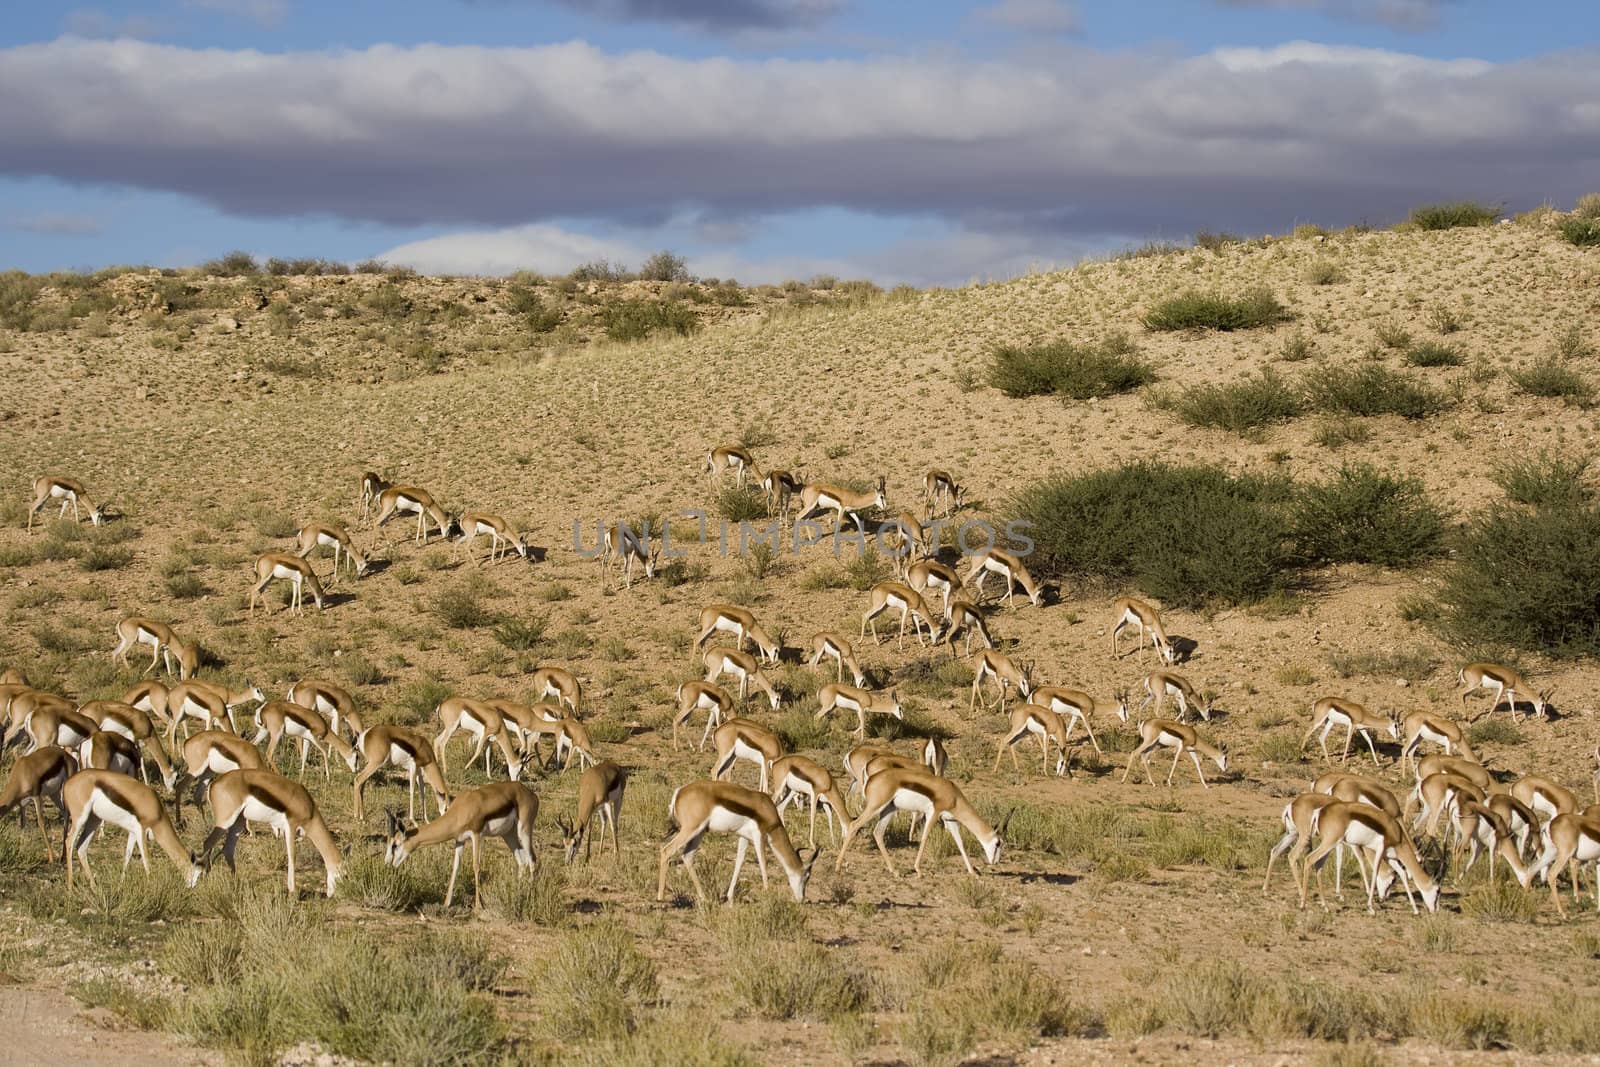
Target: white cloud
(544, 248)
(1082, 145)
(936, 257)
(56, 225)
(1054, 17)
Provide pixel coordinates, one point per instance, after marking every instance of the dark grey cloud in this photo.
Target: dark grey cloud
(713, 15)
(1248, 139)
(1409, 15)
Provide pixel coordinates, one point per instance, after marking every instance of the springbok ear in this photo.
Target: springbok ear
(1000, 831)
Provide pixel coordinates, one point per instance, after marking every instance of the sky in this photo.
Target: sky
(922, 143)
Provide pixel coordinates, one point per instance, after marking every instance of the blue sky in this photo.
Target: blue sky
(763, 139)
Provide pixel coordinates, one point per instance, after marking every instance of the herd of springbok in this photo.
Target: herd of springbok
(93, 759)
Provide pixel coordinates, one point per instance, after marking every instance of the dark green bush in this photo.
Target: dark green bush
(1196, 310)
(1372, 389)
(1075, 371)
(1189, 536)
(1362, 515)
(1239, 406)
(1528, 579)
(1450, 216)
(1434, 354)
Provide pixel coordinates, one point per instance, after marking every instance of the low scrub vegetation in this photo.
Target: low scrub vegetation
(1240, 406)
(1451, 215)
(1197, 310)
(1550, 377)
(1363, 515)
(278, 976)
(1200, 536)
(1187, 535)
(1372, 389)
(1545, 479)
(1525, 577)
(1071, 370)
(1434, 354)
(634, 320)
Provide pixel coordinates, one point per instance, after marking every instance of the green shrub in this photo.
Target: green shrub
(1196, 310)
(234, 264)
(1239, 406)
(1324, 272)
(99, 558)
(788, 980)
(461, 607)
(1450, 216)
(1545, 478)
(1527, 579)
(1362, 515)
(1372, 389)
(1434, 354)
(1186, 535)
(634, 320)
(1549, 377)
(1297, 348)
(742, 503)
(665, 267)
(1585, 233)
(522, 635)
(1075, 371)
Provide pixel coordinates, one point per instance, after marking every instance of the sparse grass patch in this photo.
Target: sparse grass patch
(802, 731)
(372, 883)
(1493, 730)
(1298, 348)
(358, 670)
(1413, 664)
(187, 586)
(540, 899)
(1196, 310)
(1372, 389)
(1336, 433)
(1393, 335)
(1070, 370)
(1324, 272)
(1241, 406)
(1571, 343)
(595, 984)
